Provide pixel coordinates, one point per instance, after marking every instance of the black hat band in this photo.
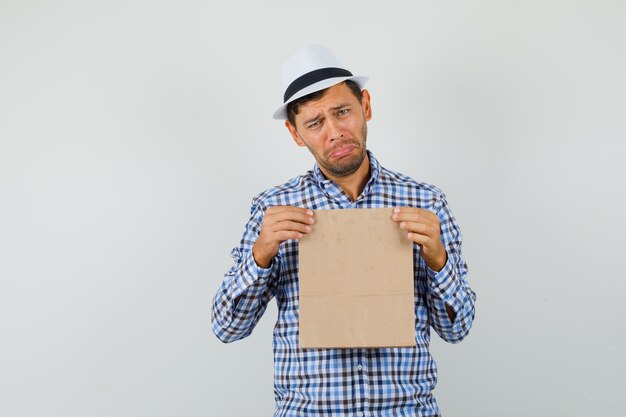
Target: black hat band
(312, 77)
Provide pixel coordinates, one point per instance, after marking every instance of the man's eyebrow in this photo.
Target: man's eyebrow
(316, 117)
(339, 106)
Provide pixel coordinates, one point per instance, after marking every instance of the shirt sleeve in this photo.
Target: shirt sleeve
(246, 289)
(449, 286)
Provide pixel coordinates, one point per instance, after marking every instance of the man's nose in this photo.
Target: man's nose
(333, 129)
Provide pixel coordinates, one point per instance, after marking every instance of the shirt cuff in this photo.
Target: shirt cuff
(443, 283)
(252, 273)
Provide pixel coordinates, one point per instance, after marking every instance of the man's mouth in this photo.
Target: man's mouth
(341, 151)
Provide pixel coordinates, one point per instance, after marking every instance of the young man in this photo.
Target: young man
(327, 110)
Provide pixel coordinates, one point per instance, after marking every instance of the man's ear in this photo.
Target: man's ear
(367, 107)
(294, 133)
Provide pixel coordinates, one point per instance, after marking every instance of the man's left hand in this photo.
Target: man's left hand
(422, 228)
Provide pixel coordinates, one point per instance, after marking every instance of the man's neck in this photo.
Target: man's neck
(354, 183)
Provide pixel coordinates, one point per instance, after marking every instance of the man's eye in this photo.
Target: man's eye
(314, 124)
(343, 112)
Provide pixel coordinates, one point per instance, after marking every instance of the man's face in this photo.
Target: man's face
(334, 129)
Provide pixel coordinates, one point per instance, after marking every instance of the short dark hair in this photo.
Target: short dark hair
(294, 106)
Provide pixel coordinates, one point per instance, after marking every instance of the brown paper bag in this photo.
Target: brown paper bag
(356, 281)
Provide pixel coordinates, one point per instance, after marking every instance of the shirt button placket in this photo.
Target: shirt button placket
(360, 369)
(366, 380)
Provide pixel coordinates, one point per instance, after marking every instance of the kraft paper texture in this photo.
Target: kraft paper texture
(356, 281)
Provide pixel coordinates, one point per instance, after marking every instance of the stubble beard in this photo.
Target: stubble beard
(348, 165)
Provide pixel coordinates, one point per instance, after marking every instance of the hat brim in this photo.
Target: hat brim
(281, 112)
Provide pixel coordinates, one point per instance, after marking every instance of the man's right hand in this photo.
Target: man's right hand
(279, 224)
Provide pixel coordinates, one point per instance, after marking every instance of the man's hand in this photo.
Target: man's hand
(423, 229)
(279, 224)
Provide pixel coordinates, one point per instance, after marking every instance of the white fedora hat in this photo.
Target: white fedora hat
(310, 69)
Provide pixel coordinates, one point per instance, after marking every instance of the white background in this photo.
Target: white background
(133, 135)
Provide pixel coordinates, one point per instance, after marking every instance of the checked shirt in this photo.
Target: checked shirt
(381, 382)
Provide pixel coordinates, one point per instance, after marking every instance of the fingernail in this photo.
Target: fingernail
(396, 210)
(308, 229)
(311, 220)
(309, 212)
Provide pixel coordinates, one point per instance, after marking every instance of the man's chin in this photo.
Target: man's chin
(345, 168)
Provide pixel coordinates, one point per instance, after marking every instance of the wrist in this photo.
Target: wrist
(262, 260)
(439, 262)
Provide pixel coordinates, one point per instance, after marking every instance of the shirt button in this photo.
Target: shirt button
(359, 414)
(360, 367)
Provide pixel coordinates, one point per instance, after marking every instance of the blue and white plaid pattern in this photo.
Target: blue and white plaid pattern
(380, 382)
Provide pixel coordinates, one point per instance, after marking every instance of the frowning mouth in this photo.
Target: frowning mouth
(342, 151)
